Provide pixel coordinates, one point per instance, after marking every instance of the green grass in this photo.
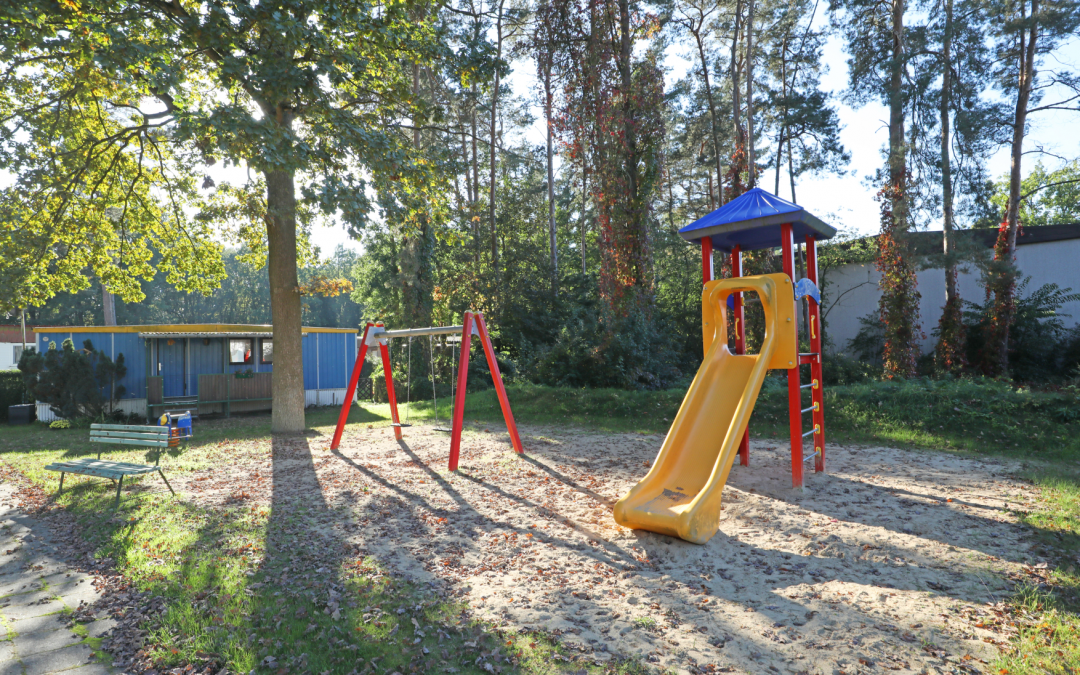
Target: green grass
(239, 584)
(1049, 618)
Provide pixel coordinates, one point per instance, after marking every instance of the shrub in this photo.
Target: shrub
(75, 383)
(11, 391)
(1039, 343)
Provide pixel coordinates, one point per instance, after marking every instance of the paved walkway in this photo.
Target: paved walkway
(39, 596)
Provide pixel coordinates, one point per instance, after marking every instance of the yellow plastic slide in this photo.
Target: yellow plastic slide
(680, 496)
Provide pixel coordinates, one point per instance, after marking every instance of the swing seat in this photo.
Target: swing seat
(400, 424)
(442, 429)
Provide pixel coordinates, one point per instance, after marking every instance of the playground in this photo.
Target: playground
(896, 559)
(366, 544)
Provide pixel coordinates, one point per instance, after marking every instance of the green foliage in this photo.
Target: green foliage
(12, 391)
(1052, 197)
(76, 384)
(1037, 336)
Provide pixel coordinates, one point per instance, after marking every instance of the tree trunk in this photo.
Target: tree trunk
(285, 303)
(1005, 249)
(476, 177)
(950, 347)
(750, 159)
(108, 302)
(791, 169)
(551, 177)
(899, 303)
(897, 160)
(714, 122)
(584, 209)
(491, 153)
(736, 96)
(783, 117)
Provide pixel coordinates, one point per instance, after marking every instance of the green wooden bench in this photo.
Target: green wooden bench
(121, 434)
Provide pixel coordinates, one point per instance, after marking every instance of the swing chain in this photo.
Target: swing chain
(408, 386)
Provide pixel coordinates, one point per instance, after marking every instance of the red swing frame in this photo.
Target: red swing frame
(474, 322)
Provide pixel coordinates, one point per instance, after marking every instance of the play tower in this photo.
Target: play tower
(757, 220)
(681, 494)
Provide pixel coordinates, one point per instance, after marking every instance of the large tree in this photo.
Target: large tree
(1029, 30)
(878, 70)
(120, 103)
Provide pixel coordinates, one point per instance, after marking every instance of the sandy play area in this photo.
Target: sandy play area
(894, 560)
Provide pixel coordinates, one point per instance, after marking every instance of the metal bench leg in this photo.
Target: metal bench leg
(119, 484)
(61, 484)
(162, 474)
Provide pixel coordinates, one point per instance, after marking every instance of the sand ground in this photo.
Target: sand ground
(892, 560)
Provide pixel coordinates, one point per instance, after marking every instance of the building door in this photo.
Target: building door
(171, 366)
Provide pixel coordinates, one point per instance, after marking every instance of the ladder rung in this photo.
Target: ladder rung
(812, 431)
(808, 354)
(806, 386)
(809, 409)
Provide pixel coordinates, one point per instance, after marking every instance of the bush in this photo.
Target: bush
(842, 369)
(1040, 347)
(12, 391)
(75, 383)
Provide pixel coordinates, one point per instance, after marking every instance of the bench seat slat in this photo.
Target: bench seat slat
(93, 467)
(124, 427)
(100, 438)
(132, 441)
(152, 435)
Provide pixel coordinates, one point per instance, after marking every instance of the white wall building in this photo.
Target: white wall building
(11, 345)
(1049, 254)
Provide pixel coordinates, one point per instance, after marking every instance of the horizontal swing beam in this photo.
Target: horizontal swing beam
(415, 332)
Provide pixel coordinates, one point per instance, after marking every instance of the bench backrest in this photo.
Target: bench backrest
(124, 434)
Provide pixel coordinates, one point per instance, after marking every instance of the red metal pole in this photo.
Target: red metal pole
(388, 371)
(739, 318)
(500, 390)
(346, 405)
(706, 261)
(459, 400)
(787, 246)
(818, 391)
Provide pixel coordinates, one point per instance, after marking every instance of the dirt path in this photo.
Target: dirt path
(894, 560)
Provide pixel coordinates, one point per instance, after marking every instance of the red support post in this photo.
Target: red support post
(391, 395)
(459, 400)
(346, 405)
(500, 390)
(787, 246)
(739, 319)
(818, 390)
(706, 261)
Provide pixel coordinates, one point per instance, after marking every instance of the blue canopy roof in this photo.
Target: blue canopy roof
(753, 221)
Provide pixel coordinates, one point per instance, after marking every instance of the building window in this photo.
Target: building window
(17, 349)
(267, 351)
(240, 352)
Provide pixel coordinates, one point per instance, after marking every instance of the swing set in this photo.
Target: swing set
(376, 336)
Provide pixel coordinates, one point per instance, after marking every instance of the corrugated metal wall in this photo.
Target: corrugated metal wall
(328, 359)
(206, 356)
(311, 361)
(129, 344)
